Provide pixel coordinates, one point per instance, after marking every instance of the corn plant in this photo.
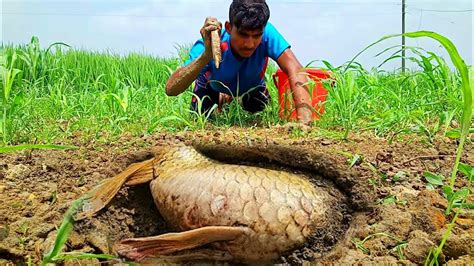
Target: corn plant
(345, 101)
(8, 74)
(55, 255)
(121, 100)
(32, 56)
(34, 59)
(466, 119)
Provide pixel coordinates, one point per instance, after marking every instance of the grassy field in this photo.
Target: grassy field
(60, 92)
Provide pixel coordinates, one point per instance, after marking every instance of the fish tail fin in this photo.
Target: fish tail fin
(143, 175)
(102, 194)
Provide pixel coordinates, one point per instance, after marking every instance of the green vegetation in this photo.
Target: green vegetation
(398, 249)
(34, 146)
(455, 198)
(8, 74)
(55, 255)
(59, 93)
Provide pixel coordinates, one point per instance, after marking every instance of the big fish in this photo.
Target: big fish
(221, 211)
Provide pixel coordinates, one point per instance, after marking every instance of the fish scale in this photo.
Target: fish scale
(281, 209)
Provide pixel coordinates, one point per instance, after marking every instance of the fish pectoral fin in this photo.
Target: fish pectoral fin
(102, 194)
(139, 248)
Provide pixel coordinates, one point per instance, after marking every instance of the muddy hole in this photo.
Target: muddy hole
(133, 213)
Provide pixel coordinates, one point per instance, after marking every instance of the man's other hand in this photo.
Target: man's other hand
(304, 113)
(223, 99)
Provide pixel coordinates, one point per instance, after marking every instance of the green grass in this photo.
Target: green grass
(55, 255)
(60, 93)
(16, 148)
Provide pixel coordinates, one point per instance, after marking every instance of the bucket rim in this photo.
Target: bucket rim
(315, 71)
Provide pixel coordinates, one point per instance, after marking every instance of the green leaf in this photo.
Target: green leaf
(448, 192)
(456, 198)
(389, 200)
(8, 83)
(469, 206)
(456, 133)
(453, 134)
(79, 255)
(3, 59)
(399, 175)
(57, 44)
(359, 244)
(63, 232)
(461, 193)
(355, 159)
(467, 170)
(36, 146)
(434, 179)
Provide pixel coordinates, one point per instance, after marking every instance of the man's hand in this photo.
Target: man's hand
(210, 24)
(304, 113)
(301, 96)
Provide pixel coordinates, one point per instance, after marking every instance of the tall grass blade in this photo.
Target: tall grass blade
(466, 115)
(16, 148)
(79, 255)
(63, 232)
(466, 88)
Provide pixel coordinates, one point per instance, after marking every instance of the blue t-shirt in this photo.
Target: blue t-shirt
(236, 77)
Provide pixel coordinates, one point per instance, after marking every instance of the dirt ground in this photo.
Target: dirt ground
(390, 205)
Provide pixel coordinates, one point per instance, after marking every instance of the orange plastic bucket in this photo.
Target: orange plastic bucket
(317, 90)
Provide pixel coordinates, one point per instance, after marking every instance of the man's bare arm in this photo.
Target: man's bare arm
(293, 68)
(182, 78)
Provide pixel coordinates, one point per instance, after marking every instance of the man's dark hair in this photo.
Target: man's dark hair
(249, 14)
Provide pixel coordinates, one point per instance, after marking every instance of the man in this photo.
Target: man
(246, 44)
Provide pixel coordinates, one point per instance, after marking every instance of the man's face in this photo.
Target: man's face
(244, 42)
